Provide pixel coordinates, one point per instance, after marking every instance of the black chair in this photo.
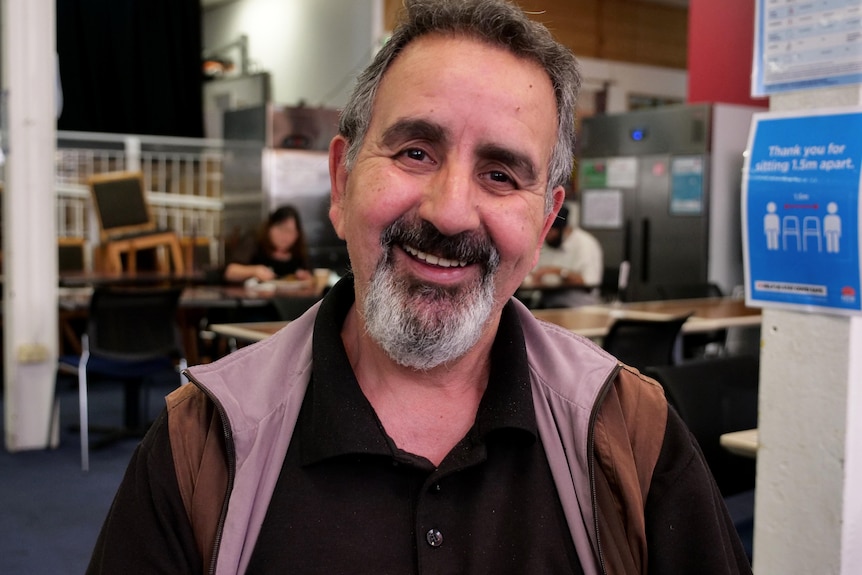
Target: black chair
(644, 342)
(704, 344)
(70, 254)
(689, 290)
(715, 396)
(610, 286)
(132, 335)
(614, 286)
(127, 225)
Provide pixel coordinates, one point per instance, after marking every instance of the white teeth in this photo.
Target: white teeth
(434, 260)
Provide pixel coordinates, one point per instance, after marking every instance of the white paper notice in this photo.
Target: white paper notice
(622, 172)
(602, 209)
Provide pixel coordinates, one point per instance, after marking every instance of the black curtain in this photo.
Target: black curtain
(131, 66)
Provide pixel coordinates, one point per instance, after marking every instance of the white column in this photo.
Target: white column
(851, 532)
(29, 226)
(808, 510)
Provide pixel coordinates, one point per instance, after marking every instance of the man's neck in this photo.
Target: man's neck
(425, 412)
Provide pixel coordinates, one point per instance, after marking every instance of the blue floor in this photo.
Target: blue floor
(51, 510)
(741, 508)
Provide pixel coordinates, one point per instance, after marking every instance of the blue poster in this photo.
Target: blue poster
(686, 186)
(800, 206)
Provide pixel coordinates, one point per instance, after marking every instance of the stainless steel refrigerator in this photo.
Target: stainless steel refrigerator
(289, 166)
(660, 190)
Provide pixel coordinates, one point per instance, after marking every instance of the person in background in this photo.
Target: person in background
(280, 250)
(420, 419)
(570, 258)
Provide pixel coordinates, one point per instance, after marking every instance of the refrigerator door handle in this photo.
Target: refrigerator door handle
(623, 278)
(627, 241)
(645, 250)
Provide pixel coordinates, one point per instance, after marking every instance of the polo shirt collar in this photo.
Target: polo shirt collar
(338, 420)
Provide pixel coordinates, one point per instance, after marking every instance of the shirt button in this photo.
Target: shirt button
(434, 538)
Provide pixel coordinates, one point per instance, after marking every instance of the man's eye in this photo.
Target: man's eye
(498, 176)
(415, 154)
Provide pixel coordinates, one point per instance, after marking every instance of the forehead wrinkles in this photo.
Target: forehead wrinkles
(407, 129)
(464, 65)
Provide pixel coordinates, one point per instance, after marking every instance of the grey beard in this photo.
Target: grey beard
(422, 327)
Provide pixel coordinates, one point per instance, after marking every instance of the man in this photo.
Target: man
(420, 419)
(571, 258)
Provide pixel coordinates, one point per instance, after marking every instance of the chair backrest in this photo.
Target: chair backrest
(610, 286)
(134, 323)
(715, 396)
(703, 343)
(121, 204)
(71, 256)
(644, 342)
(689, 290)
(615, 281)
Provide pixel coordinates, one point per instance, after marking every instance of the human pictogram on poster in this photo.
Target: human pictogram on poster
(800, 206)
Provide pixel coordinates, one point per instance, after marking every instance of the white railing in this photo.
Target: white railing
(182, 177)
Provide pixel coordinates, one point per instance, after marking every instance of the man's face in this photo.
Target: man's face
(444, 207)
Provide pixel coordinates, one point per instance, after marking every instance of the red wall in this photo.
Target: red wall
(720, 50)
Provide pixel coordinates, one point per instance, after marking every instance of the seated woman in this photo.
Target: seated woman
(280, 251)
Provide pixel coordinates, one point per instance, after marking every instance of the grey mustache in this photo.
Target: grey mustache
(469, 247)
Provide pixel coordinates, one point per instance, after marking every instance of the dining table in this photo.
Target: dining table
(195, 303)
(248, 332)
(85, 278)
(705, 314)
(593, 321)
(744, 442)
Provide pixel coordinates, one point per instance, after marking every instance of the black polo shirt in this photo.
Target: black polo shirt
(348, 500)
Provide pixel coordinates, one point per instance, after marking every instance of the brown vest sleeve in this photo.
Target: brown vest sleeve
(629, 434)
(200, 461)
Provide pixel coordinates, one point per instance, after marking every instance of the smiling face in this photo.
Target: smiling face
(443, 211)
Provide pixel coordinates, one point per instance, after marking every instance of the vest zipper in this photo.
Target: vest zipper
(591, 463)
(231, 469)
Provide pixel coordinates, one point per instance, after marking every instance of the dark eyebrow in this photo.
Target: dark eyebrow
(517, 161)
(408, 129)
(413, 129)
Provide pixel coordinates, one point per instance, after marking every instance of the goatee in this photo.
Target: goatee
(421, 325)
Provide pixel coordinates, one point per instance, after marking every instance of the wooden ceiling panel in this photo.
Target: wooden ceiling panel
(653, 32)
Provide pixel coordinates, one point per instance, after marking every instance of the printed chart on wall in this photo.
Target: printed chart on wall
(800, 209)
(803, 44)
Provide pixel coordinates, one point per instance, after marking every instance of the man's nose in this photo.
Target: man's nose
(450, 202)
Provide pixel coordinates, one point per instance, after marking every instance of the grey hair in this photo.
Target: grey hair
(497, 22)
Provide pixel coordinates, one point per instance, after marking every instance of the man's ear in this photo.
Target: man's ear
(337, 181)
(559, 195)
